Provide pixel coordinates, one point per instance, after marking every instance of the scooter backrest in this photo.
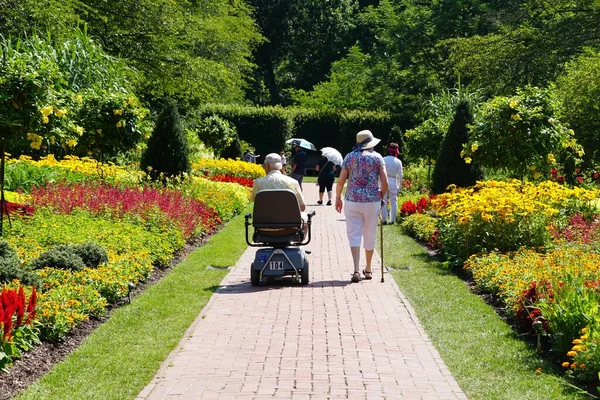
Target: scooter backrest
(276, 208)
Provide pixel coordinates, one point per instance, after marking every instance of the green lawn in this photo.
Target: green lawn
(484, 354)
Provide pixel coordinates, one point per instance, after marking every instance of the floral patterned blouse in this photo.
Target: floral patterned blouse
(363, 176)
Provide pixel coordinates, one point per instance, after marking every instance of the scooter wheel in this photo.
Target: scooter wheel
(254, 276)
(304, 275)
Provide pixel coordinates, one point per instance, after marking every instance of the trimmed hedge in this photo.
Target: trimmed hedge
(267, 128)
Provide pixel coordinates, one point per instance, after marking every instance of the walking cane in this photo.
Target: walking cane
(381, 242)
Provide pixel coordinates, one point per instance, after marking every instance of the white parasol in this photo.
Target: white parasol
(332, 155)
(305, 144)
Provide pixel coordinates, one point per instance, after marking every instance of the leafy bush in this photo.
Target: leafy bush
(568, 306)
(529, 119)
(578, 103)
(11, 266)
(92, 254)
(216, 133)
(61, 257)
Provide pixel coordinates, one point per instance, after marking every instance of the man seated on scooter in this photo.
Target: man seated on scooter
(276, 180)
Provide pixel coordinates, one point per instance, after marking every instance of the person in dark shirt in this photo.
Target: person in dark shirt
(326, 170)
(298, 164)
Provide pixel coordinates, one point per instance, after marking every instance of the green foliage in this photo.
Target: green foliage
(217, 133)
(529, 119)
(423, 141)
(167, 153)
(525, 43)
(420, 226)
(568, 308)
(66, 96)
(11, 266)
(62, 257)
(92, 254)
(450, 168)
(578, 103)
(265, 128)
(195, 52)
(303, 38)
(23, 175)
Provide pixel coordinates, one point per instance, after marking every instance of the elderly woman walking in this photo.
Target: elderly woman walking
(364, 169)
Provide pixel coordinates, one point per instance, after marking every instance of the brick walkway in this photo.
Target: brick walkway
(328, 340)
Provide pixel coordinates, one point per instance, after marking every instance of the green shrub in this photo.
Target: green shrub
(61, 257)
(11, 266)
(167, 153)
(92, 254)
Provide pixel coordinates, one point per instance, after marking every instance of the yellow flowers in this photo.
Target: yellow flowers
(513, 104)
(46, 111)
(72, 142)
(121, 124)
(551, 159)
(228, 167)
(36, 140)
(118, 112)
(516, 117)
(60, 112)
(474, 147)
(468, 160)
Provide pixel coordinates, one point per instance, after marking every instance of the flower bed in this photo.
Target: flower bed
(535, 248)
(139, 225)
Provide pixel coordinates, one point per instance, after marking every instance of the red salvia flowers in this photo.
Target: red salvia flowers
(187, 213)
(12, 302)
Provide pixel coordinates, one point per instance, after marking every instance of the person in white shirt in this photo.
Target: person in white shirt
(393, 167)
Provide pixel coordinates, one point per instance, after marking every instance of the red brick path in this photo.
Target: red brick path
(328, 340)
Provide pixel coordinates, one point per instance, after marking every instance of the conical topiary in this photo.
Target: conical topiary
(167, 151)
(450, 167)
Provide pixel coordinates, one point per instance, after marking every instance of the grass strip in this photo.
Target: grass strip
(122, 356)
(482, 351)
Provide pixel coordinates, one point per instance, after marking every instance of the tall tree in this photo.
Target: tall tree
(529, 44)
(304, 37)
(195, 51)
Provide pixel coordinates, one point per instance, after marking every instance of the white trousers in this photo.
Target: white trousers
(393, 201)
(361, 223)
